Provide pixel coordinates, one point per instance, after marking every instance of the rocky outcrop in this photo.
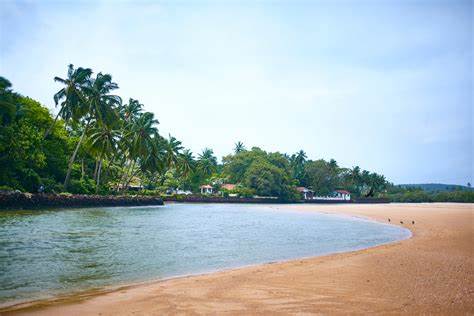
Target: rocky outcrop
(18, 200)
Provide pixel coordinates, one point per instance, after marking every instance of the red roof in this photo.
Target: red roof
(206, 186)
(228, 186)
(343, 192)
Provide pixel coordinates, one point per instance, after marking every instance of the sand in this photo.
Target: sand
(430, 273)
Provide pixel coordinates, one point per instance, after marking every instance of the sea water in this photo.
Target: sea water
(56, 252)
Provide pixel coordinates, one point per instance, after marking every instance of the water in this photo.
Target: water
(48, 253)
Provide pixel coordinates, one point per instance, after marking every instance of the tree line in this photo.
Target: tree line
(99, 144)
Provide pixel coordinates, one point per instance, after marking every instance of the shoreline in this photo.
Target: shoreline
(86, 293)
(104, 300)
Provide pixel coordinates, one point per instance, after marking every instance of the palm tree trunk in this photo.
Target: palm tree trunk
(98, 176)
(122, 177)
(73, 157)
(95, 169)
(82, 169)
(130, 171)
(50, 129)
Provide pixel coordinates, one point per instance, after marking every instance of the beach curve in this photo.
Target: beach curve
(432, 272)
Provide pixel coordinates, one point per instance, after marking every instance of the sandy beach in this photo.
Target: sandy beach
(430, 273)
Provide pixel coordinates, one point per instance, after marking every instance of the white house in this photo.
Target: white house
(206, 189)
(342, 194)
(306, 193)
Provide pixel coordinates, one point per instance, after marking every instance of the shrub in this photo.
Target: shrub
(84, 186)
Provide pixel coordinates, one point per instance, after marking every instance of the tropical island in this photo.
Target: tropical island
(99, 144)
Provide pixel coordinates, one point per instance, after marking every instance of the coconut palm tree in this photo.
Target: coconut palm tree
(186, 163)
(172, 151)
(239, 147)
(207, 162)
(300, 157)
(101, 110)
(71, 98)
(103, 140)
(141, 144)
(131, 110)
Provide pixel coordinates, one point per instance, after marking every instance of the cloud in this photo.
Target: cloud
(384, 86)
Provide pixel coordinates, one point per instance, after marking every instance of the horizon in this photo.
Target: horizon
(289, 77)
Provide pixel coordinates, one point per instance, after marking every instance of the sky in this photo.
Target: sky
(384, 85)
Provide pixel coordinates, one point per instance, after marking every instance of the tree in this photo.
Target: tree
(100, 105)
(172, 151)
(239, 147)
(7, 102)
(297, 162)
(103, 140)
(71, 98)
(141, 143)
(207, 162)
(26, 158)
(186, 163)
(320, 177)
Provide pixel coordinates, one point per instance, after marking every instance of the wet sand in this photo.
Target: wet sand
(430, 273)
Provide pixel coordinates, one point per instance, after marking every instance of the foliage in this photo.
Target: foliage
(98, 144)
(267, 174)
(419, 195)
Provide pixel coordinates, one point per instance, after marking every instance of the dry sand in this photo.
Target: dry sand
(430, 273)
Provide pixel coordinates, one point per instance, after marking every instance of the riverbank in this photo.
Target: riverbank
(430, 273)
(17, 200)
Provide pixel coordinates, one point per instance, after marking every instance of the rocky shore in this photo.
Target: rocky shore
(18, 200)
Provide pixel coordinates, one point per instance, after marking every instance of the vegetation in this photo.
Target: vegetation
(99, 144)
(417, 194)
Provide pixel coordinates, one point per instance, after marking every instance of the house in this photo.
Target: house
(342, 194)
(206, 189)
(228, 186)
(306, 194)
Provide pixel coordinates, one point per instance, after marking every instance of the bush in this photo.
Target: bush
(6, 188)
(84, 186)
(244, 192)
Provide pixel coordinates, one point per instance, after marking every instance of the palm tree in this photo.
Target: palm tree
(131, 110)
(239, 147)
(172, 151)
(103, 140)
(333, 164)
(73, 101)
(101, 109)
(186, 163)
(141, 143)
(207, 162)
(300, 157)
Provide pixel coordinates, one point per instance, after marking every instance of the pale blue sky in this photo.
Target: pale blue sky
(386, 85)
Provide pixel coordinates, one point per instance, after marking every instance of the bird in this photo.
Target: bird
(389, 219)
(413, 222)
(401, 222)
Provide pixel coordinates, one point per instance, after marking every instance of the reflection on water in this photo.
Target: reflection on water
(45, 253)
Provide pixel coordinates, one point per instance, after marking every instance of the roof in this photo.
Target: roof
(343, 191)
(228, 186)
(206, 186)
(303, 189)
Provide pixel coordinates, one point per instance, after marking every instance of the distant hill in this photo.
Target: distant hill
(436, 187)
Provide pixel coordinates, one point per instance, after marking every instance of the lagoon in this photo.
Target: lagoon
(55, 252)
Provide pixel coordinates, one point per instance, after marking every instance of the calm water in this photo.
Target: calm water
(46, 253)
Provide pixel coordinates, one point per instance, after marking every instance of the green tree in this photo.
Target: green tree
(207, 162)
(239, 147)
(71, 98)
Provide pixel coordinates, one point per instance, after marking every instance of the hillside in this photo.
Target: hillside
(436, 187)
